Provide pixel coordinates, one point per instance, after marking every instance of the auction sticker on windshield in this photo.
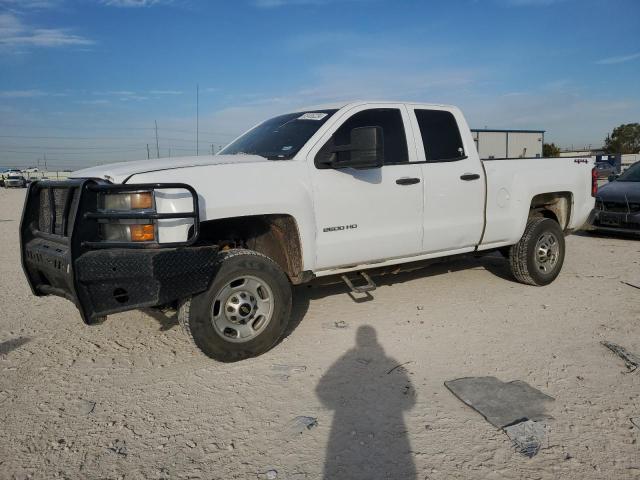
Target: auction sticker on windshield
(312, 116)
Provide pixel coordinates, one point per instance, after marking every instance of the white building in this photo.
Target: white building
(508, 143)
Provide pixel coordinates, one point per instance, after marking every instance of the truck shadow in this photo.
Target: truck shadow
(166, 319)
(493, 263)
(601, 234)
(321, 288)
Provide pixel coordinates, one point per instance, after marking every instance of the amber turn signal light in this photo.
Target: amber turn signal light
(142, 201)
(142, 233)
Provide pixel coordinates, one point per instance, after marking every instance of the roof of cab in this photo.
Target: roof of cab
(356, 103)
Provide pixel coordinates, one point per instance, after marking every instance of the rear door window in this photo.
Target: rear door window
(440, 136)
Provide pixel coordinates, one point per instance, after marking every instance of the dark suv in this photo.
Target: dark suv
(617, 206)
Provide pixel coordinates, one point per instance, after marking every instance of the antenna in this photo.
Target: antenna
(197, 118)
(157, 145)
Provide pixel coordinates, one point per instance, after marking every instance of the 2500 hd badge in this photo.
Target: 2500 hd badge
(340, 227)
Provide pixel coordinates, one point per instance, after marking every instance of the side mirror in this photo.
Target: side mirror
(365, 150)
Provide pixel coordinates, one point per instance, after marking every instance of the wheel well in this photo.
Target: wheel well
(555, 205)
(275, 236)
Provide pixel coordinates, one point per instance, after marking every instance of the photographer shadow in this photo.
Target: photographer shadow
(368, 393)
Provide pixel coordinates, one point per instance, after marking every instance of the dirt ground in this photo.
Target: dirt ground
(131, 399)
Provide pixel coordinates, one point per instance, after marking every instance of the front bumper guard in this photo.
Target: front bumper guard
(62, 254)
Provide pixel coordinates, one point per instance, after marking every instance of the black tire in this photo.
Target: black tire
(195, 313)
(523, 255)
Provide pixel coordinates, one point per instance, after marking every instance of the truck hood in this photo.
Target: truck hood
(119, 172)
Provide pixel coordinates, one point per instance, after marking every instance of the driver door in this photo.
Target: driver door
(368, 215)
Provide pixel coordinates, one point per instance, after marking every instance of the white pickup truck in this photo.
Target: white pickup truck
(327, 191)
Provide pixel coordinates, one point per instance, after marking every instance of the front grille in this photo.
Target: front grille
(60, 201)
(620, 207)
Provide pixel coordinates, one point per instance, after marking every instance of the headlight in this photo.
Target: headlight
(127, 230)
(121, 232)
(126, 201)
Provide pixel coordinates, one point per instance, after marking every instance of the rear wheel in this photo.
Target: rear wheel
(244, 312)
(538, 257)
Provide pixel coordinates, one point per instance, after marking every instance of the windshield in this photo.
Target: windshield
(280, 138)
(632, 174)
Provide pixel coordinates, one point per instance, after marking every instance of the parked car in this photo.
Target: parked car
(320, 193)
(15, 181)
(617, 207)
(605, 169)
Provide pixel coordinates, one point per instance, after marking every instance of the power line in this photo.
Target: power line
(39, 152)
(97, 127)
(57, 147)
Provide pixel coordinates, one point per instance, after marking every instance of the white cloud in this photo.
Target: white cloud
(531, 3)
(100, 101)
(165, 92)
(29, 4)
(288, 3)
(22, 93)
(118, 93)
(619, 59)
(135, 98)
(134, 3)
(16, 34)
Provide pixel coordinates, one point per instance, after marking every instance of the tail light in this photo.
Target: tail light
(594, 182)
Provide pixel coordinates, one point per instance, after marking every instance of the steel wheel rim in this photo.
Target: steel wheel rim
(547, 252)
(242, 309)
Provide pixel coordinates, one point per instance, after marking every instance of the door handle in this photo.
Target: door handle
(470, 176)
(407, 181)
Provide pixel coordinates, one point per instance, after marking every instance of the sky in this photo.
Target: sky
(82, 82)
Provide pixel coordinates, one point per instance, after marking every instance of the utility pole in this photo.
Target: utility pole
(212, 149)
(157, 145)
(148, 156)
(197, 118)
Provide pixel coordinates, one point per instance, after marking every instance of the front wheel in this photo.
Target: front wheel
(244, 312)
(538, 257)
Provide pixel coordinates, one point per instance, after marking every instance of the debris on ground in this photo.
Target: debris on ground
(630, 284)
(285, 371)
(336, 325)
(300, 424)
(401, 366)
(12, 344)
(501, 403)
(631, 360)
(268, 475)
(119, 447)
(635, 421)
(527, 436)
(515, 407)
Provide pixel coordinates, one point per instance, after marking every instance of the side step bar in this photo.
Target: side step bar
(369, 286)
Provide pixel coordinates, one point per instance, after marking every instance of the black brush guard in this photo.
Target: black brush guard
(63, 255)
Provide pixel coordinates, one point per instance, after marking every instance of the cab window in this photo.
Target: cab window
(389, 119)
(440, 136)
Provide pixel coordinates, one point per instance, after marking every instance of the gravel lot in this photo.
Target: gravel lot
(131, 399)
